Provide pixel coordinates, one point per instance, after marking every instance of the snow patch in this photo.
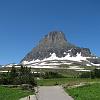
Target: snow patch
(88, 65)
(75, 67)
(95, 64)
(83, 70)
(65, 53)
(4, 71)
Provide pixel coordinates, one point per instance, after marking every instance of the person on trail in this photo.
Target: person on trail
(29, 97)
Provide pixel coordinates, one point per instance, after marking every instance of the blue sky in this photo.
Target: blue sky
(24, 22)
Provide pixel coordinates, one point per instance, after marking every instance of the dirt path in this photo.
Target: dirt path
(52, 93)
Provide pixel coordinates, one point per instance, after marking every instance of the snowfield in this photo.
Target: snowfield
(53, 56)
(53, 61)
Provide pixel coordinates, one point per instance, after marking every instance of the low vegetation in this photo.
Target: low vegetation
(61, 72)
(64, 81)
(49, 77)
(87, 92)
(16, 76)
(17, 83)
(13, 93)
(93, 74)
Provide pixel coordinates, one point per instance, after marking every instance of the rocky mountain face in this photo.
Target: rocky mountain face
(54, 50)
(55, 42)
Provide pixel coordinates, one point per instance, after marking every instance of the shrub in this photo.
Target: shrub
(85, 75)
(18, 77)
(52, 75)
(93, 74)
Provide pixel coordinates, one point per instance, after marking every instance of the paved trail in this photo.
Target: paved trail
(52, 93)
(49, 93)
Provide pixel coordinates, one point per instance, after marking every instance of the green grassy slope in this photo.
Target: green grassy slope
(61, 81)
(88, 92)
(12, 93)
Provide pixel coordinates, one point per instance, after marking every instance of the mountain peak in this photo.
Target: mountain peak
(56, 43)
(56, 35)
(54, 39)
